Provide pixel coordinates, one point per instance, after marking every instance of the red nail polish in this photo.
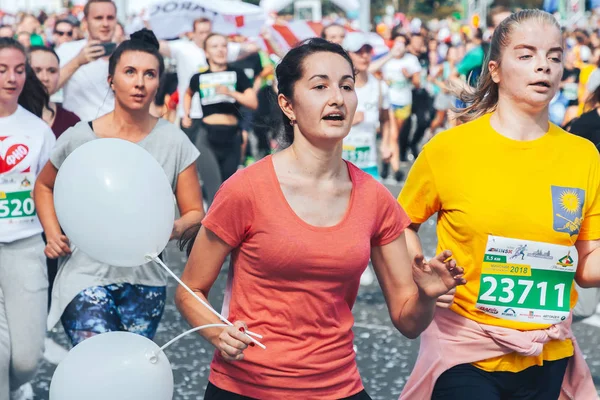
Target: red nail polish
(252, 344)
(242, 329)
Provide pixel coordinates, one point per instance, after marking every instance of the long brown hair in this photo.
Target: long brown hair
(484, 98)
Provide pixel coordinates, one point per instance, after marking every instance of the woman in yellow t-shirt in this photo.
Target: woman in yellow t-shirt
(518, 204)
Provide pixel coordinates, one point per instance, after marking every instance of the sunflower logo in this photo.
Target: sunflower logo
(567, 206)
(570, 202)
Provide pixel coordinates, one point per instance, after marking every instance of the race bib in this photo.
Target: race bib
(209, 84)
(356, 155)
(399, 85)
(526, 281)
(16, 203)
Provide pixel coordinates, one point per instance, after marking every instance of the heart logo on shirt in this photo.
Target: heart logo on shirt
(13, 153)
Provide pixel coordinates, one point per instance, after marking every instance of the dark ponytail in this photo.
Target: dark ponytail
(33, 97)
(290, 70)
(187, 239)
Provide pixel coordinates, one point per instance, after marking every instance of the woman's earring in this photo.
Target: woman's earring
(292, 122)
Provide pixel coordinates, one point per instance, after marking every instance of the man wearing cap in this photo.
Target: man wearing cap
(373, 111)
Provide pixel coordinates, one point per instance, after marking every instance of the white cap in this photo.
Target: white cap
(354, 41)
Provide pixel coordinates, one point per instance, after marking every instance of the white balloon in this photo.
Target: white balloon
(115, 366)
(114, 202)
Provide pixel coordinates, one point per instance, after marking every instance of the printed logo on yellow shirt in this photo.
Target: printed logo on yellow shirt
(567, 207)
(566, 261)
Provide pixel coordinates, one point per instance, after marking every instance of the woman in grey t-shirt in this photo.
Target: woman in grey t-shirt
(90, 297)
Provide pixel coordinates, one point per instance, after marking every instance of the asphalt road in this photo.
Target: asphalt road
(385, 357)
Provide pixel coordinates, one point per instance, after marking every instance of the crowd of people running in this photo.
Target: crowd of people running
(318, 132)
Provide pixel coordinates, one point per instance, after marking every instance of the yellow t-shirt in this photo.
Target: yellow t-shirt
(482, 183)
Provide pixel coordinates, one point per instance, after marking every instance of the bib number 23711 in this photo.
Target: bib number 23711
(526, 281)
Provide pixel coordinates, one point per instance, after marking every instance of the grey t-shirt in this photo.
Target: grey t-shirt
(77, 272)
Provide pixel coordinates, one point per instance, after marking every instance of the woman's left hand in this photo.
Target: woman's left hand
(437, 276)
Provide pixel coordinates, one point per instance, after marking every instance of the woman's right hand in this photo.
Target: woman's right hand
(232, 342)
(186, 122)
(57, 246)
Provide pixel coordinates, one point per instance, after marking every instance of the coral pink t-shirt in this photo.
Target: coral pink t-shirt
(296, 284)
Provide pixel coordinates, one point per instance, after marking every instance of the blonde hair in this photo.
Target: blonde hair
(484, 98)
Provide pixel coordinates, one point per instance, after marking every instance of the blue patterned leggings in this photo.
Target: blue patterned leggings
(117, 307)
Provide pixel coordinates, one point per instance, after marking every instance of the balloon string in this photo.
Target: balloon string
(205, 304)
(198, 328)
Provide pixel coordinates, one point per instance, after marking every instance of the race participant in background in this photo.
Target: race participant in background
(413, 130)
(27, 143)
(570, 87)
(252, 65)
(44, 62)
(402, 71)
(6, 31)
(222, 90)
(373, 111)
(90, 297)
(508, 333)
(588, 125)
(471, 65)
(443, 101)
(191, 58)
(63, 33)
(300, 292)
(334, 33)
(84, 63)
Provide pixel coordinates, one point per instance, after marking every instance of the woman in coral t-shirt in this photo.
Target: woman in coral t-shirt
(301, 226)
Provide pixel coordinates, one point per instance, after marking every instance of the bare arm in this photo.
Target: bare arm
(247, 98)
(413, 244)
(378, 64)
(186, 120)
(411, 286)
(58, 244)
(201, 271)
(89, 53)
(274, 45)
(588, 269)
(67, 72)
(189, 200)
(187, 102)
(416, 80)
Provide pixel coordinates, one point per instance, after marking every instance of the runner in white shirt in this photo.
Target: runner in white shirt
(84, 64)
(26, 142)
(190, 56)
(401, 70)
(373, 111)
